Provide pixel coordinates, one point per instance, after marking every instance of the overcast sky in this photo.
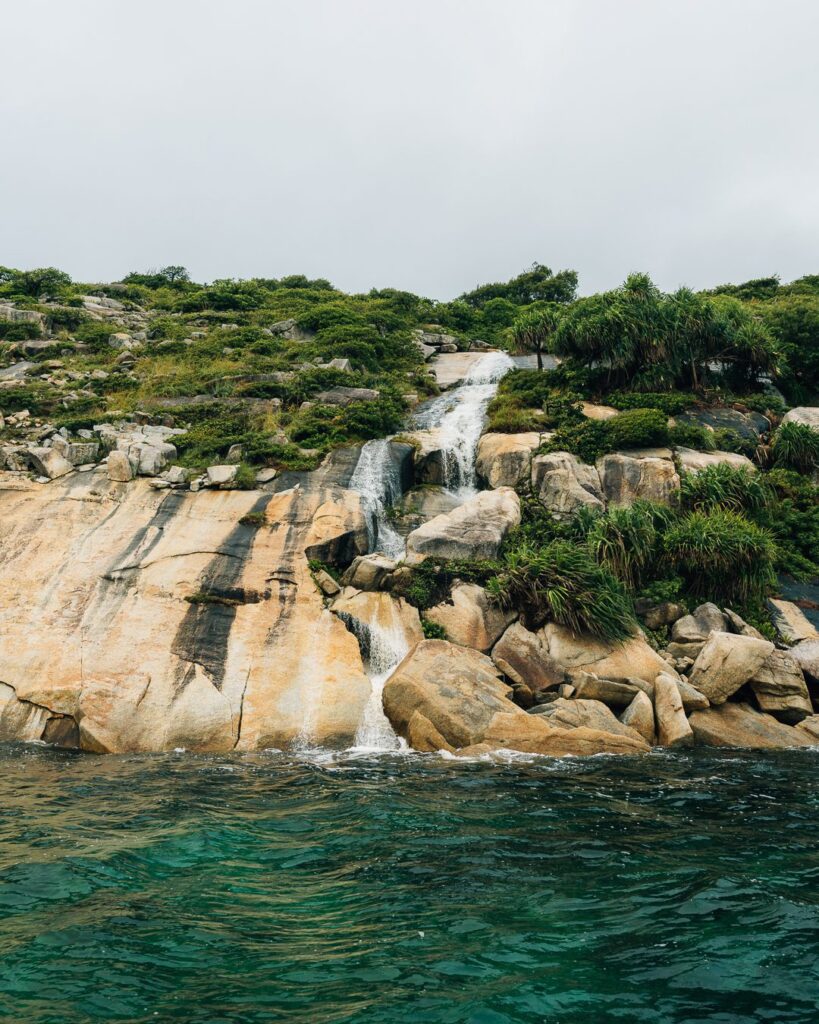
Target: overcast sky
(423, 144)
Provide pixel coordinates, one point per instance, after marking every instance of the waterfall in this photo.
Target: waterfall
(384, 642)
(459, 416)
(377, 480)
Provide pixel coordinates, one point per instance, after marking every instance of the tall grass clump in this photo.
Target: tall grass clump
(796, 446)
(721, 556)
(562, 583)
(726, 487)
(627, 539)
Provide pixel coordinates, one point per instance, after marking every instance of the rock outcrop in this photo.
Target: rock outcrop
(564, 484)
(469, 619)
(625, 479)
(135, 619)
(739, 725)
(726, 662)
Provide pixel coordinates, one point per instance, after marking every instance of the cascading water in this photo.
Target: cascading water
(459, 416)
(376, 478)
(383, 642)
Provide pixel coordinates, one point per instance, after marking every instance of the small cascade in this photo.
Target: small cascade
(383, 643)
(376, 478)
(459, 416)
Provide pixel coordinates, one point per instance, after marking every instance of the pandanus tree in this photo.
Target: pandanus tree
(532, 332)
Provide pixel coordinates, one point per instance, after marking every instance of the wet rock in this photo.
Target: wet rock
(726, 662)
(564, 484)
(469, 619)
(739, 725)
(625, 479)
(368, 611)
(503, 460)
(473, 530)
(673, 729)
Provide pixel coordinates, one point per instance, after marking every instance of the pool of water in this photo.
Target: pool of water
(408, 888)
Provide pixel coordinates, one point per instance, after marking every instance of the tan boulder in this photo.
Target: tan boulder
(337, 531)
(726, 662)
(639, 715)
(503, 460)
(780, 689)
(791, 623)
(809, 729)
(523, 656)
(564, 484)
(739, 725)
(699, 625)
(625, 479)
(368, 572)
(673, 729)
(607, 660)
(693, 461)
(48, 462)
(805, 414)
(806, 654)
(590, 687)
(450, 697)
(598, 412)
(430, 455)
(119, 467)
(469, 619)
(473, 530)
(591, 714)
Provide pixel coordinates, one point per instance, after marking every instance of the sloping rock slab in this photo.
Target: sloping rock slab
(739, 725)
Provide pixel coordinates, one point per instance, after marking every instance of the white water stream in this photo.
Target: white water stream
(459, 415)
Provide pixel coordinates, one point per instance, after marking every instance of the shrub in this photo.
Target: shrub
(796, 446)
(672, 403)
(432, 630)
(692, 435)
(94, 334)
(22, 331)
(725, 487)
(637, 428)
(430, 582)
(325, 426)
(792, 517)
(245, 478)
(562, 583)
(721, 555)
(728, 440)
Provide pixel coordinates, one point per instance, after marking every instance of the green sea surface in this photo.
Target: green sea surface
(405, 889)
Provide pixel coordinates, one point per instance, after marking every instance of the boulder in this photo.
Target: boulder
(806, 414)
(687, 650)
(583, 713)
(780, 689)
(290, 330)
(17, 371)
(598, 412)
(625, 479)
(78, 453)
(221, 476)
(469, 619)
(806, 654)
(692, 461)
(639, 715)
(692, 698)
(809, 729)
(747, 424)
(590, 687)
(443, 696)
(564, 484)
(726, 662)
(736, 624)
(48, 462)
(673, 729)
(430, 455)
(607, 660)
(326, 584)
(383, 625)
(503, 460)
(699, 625)
(338, 531)
(523, 657)
(368, 572)
(346, 396)
(119, 467)
(655, 616)
(739, 725)
(473, 530)
(791, 623)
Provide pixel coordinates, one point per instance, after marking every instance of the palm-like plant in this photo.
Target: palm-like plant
(532, 331)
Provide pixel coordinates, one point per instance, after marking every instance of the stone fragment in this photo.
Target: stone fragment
(806, 654)
(368, 572)
(590, 687)
(736, 624)
(221, 476)
(48, 462)
(584, 713)
(326, 583)
(791, 623)
(780, 689)
(119, 467)
(693, 461)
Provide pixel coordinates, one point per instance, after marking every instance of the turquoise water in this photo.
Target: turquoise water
(408, 889)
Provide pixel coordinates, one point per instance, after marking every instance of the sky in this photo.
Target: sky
(430, 145)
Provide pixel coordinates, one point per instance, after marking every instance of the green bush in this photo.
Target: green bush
(796, 446)
(430, 582)
(792, 518)
(94, 334)
(672, 403)
(722, 556)
(589, 439)
(22, 331)
(563, 583)
(627, 539)
(432, 630)
(692, 435)
(728, 440)
(327, 426)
